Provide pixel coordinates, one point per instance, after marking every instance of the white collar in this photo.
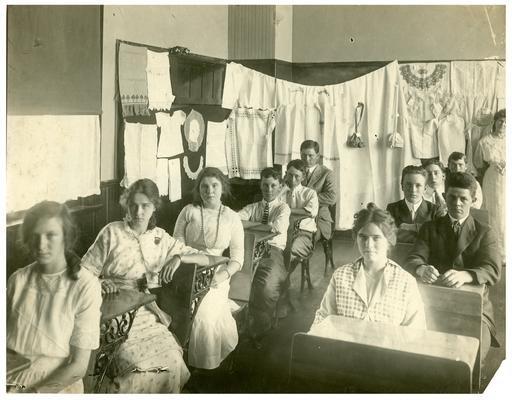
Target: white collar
(270, 203)
(413, 206)
(461, 221)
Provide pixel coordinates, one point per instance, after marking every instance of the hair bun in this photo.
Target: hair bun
(371, 206)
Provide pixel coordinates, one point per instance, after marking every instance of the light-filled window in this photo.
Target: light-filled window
(51, 157)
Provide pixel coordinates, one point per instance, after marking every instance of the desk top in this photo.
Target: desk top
(15, 362)
(399, 338)
(467, 288)
(123, 301)
(260, 231)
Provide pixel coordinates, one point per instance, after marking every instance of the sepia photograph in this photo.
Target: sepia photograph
(255, 199)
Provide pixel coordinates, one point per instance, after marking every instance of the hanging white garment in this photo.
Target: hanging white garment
(174, 180)
(158, 72)
(140, 142)
(451, 136)
(372, 173)
(216, 146)
(170, 143)
(245, 87)
(51, 157)
(249, 142)
(162, 176)
(425, 87)
(474, 84)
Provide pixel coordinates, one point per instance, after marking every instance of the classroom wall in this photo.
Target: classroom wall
(284, 32)
(203, 29)
(379, 33)
(53, 60)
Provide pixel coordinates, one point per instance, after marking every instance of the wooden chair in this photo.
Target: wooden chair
(326, 365)
(304, 261)
(327, 243)
(182, 296)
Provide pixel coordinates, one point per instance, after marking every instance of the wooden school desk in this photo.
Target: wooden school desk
(457, 311)
(255, 245)
(370, 357)
(117, 314)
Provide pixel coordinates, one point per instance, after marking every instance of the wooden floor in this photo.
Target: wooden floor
(265, 370)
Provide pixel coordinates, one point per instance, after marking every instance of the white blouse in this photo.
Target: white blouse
(48, 313)
(121, 254)
(229, 226)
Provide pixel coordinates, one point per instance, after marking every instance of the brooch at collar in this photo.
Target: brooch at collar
(158, 240)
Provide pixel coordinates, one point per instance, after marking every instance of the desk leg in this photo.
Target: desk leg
(113, 334)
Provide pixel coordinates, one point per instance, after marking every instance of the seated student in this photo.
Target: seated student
(457, 249)
(210, 226)
(150, 360)
(412, 211)
(434, 191)
(373, 287)
(457, 163)
(271, 272)
(53, 306)
(320, 179)
(303, 201)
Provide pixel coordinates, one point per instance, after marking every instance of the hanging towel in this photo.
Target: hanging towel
(162, 176)
(170, 143)
(249, 142)
(216, 146)
(139, 153)
(174, 180)
(159, 81)
(133, 83)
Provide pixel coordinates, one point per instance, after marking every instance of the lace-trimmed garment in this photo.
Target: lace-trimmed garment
(48, 313)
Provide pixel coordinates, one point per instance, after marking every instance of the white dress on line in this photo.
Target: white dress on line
(214, 333)
(46, 314)
(492, 150)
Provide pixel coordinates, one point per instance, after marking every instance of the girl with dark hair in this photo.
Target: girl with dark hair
(373, 287)
(490, 156)
(53, 306)
(212, 227)
(150, 360)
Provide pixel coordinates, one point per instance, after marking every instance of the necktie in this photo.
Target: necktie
(456, 228)
(307, 175)
(266, 211)
(412, 214)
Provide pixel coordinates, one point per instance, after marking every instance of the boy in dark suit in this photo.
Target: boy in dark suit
(458, 249)
(321, 180)
(412, 211)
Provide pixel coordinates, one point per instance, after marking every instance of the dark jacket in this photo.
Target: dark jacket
(322, 182)
(475, 251)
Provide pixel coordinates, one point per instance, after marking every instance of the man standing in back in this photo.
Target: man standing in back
(321, 180)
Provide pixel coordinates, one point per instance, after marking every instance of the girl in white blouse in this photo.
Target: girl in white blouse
(373, 287)
(150, 360)
(53, 306)
(212, 227)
